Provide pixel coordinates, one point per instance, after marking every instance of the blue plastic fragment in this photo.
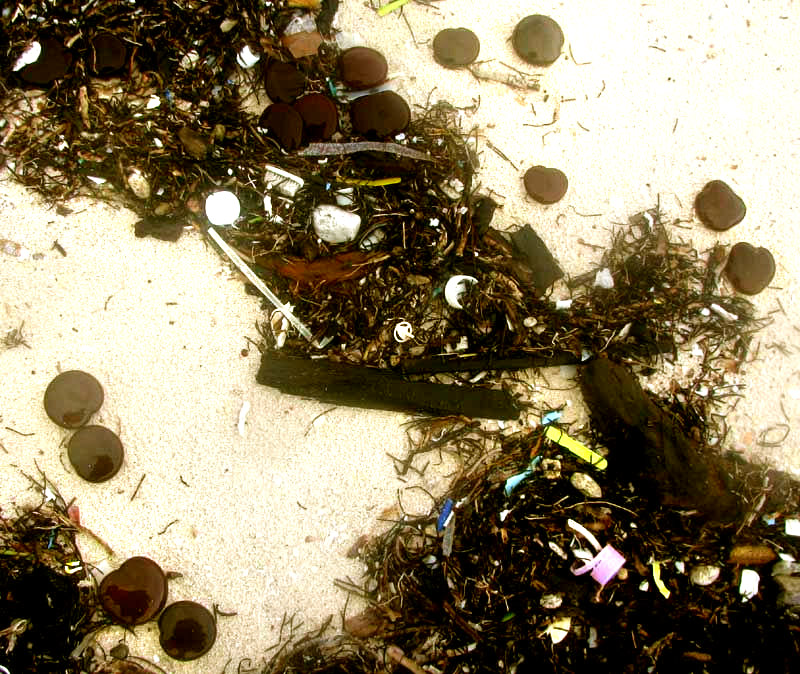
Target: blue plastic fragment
(447, 508)
(550, 417)
(513, 482)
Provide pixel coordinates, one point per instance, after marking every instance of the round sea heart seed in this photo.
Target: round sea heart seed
(108, 54)
(284, 123)
(749, 269)
(380, 115)
(284, 83)
(545, 185)
(362, 68)
(538, 40)
(319, 114)
(72, 397)
(456, 47)
(718, 206)
(53, 63)
(95, 453)
(187, 630)
(135, 593)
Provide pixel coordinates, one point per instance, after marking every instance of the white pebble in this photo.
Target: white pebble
(334, 224)
(704, 574)
(586, 485)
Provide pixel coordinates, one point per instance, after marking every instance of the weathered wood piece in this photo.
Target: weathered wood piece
(357, 386)
(648, 444)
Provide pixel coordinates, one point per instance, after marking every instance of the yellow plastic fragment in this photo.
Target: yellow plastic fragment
(657, 580)
(559, 437)
(391, 6)
(373, 183)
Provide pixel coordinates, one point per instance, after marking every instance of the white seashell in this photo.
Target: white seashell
(279, 325)
(222, 208)
(139, 184)
(455, 287)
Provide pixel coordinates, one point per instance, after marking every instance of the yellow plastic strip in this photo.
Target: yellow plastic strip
(373, 183)
(559, 437)
(657, 580)
(391, 6)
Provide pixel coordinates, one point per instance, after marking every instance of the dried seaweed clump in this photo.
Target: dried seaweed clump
(503, 598)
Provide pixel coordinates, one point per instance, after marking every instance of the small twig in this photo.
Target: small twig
(136, 491)
(164, 530)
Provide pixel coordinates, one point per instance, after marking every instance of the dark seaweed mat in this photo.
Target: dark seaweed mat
(59, 608)
(479, 610)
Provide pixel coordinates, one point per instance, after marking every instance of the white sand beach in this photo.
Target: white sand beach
(647, 104)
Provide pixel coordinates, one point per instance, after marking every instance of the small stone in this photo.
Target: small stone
(545, 185)
(304, 43)
(284, 123)
(53, 63)
(334, 224)
(362, 68)
(95, 453)
(187, 630)
(551, 601)
(108, 54)
(538, 40)
(138, 184)
(790, 590)
(193, 142)
(72, 397)
(719, 207)
(704, 574)
(482, 214)
(586, 485)
(456, 47)
(749, 269)
(380, 115)
(284, 83)
(320, 117)
(551, 469)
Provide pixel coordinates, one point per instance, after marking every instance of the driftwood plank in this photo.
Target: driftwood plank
(357, 386)
(648, 444)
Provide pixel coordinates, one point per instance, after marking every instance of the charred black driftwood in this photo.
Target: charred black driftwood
(358, 386)
(648, 444)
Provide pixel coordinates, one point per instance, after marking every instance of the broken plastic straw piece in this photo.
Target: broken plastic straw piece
(391, 6)
(559, 437)
(250, 275)
(382, 182)
(657, 580)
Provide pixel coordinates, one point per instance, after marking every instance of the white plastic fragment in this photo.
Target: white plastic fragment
(748, 584)
(251, 276)
(153, 102)
(334, 224)
(282, 181)
(242, 416)
(246, 58)
(563, 304)
(604, 279)
(222, 208)
(30, 55)
(97, 180)
(455, 287)
(792, 527)
(403, 331)
(724, 313)
(559, 629)
(344, 197)
(371, 240)
(228, 25)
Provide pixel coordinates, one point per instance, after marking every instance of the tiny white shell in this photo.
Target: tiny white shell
(30, 55)
(455, 287)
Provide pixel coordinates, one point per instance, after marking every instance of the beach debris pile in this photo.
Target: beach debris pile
(359, 220)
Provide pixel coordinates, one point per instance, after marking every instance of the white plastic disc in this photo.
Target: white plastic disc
(455, 287)
(222, 208)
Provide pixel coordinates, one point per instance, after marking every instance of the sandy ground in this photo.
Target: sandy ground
(650, 101)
